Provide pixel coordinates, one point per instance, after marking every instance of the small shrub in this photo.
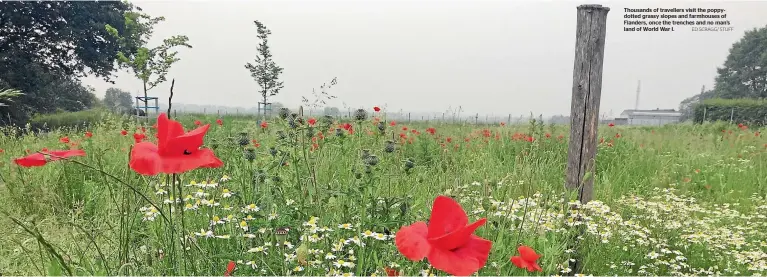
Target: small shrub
(47, 122)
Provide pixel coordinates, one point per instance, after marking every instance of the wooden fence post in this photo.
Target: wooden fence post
(586, 93)
(584, 110)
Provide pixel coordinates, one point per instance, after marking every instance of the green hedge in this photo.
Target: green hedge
(751, 112)
(67, 119)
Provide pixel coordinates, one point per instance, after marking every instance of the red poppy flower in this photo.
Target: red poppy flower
(393, 123)
(527, 259)
(391, 272)
(40, 159)
(611, 124)
(312, 121)
(230, 268)
(124, 132)
(175, 151)
(448, 241)
(431, 130)
(64, 140)
(264, 124)
(197, 122)
(138, 137)
(220, 122)
(88, 134)
(503, 124)
(377, 109)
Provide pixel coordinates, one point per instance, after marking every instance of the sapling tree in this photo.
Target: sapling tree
(148, 64)
(264, 70)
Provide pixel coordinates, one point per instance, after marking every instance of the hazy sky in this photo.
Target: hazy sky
(491, 57)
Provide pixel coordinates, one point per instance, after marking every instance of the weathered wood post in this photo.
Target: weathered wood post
(587, 90)
(584, 110)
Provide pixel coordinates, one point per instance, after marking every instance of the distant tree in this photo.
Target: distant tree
(63, 37)
(332, 111)
(118, 100)
(264, 70)
(744, 73)
(150, 65)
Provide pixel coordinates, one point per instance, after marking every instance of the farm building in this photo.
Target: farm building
(649, 117)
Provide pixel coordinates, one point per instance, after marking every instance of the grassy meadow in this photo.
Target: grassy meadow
(299, 200)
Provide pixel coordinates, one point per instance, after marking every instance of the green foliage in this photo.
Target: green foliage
(687, 195)
(7, 96)
(64, 119)
(745, 111)
(62, 37)
(744, 73)
(264, 70)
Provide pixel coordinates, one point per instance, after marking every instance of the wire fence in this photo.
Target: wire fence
(400, 116)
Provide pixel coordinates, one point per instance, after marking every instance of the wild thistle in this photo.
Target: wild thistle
(244, 140)
(250, 154)
(371, 160)
(339, 132)
(381, 127)
(360, 114)
(273, 151)
(327, 121)
(281, 134)
(389, 147)
(365, 154)
(283, 113)
(409, 164)
(309, 132)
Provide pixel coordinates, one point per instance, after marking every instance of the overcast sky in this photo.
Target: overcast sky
(491, 57)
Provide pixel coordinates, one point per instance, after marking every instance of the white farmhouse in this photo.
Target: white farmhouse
(655, 117)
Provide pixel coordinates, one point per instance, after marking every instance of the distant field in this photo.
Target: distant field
(673, 200)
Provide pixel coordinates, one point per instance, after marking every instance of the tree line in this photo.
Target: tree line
(46, 47)
(742, 76)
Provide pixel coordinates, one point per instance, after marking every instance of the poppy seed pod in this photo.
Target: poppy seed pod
(281, 234)
(360, 114)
